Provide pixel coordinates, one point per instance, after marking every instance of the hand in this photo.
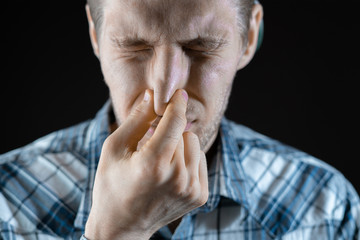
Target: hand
(137, 191)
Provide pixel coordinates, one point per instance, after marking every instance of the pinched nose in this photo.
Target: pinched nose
(169, 72)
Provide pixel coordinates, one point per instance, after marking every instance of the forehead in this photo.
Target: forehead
(165, 19)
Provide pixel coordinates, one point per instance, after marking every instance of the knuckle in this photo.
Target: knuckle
(179, 190)
(203, 197)
(198, 194)
(191, 136)
(188, 191)
(138, 110)
(109, 145)
(192, 140)
(144, 176)
(179, 186)
(159, 173)
(155, 173)
(194, 187)
(114, 148)
(193, 195)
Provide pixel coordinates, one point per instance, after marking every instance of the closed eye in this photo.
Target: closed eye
(142, 49)
(203, 45)
(131, 45)
(195, 50)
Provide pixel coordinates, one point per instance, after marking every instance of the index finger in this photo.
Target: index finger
(171, 126)
(133, 129)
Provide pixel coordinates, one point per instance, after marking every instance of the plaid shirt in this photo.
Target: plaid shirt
(259, 189)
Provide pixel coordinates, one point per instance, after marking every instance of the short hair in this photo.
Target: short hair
(96, 13)
(243, 9)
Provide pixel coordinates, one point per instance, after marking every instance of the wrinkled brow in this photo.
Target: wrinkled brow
(125, 42)
(205, 42)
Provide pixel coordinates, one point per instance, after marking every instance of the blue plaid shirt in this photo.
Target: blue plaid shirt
(259, 189)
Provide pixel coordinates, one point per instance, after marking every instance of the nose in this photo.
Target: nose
(169, 72)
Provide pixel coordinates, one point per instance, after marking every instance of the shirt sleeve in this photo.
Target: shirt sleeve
(8, 231)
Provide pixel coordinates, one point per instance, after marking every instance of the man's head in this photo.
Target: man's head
(165, 45)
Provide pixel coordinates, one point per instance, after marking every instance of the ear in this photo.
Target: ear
(92, 31)
(253, 34)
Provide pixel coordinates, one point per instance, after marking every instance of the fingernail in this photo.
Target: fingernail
(146, 96)
(184, 93)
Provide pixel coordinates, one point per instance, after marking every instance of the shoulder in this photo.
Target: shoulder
(43, 178)
(60, 157)
(292, 190)
(71, 139)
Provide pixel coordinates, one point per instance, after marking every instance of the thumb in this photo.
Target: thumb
(133, 129)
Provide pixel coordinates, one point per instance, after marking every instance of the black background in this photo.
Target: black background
(300, 88)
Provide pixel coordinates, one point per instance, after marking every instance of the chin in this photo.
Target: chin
(206, 135)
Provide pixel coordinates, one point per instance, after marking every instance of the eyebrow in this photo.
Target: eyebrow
(130, 42)
(204, 42)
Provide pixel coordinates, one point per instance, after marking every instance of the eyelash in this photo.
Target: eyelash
(142, 50)
(198, 52)
(192, 52)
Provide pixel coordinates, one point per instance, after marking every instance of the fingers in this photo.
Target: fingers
(171, 127)
(132, 130)
(192, 153)
(179, 152)
(195, 161)
(203, 178)
(189, 181)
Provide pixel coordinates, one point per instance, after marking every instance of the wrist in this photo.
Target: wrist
(99, 230)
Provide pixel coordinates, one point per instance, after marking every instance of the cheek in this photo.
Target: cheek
(121, 75)
(125, 82)
(215, 79)
(217, 74)
(215, 84)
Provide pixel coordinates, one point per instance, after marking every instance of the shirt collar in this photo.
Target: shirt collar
(227, 177)
(99, 131)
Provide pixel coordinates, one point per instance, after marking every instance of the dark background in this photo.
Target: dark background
(300, 88)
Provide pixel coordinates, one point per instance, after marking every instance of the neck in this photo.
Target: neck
(211, 153)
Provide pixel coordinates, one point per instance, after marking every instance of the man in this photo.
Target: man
(159, 160)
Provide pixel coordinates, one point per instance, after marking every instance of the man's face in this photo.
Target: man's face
(169, 45)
